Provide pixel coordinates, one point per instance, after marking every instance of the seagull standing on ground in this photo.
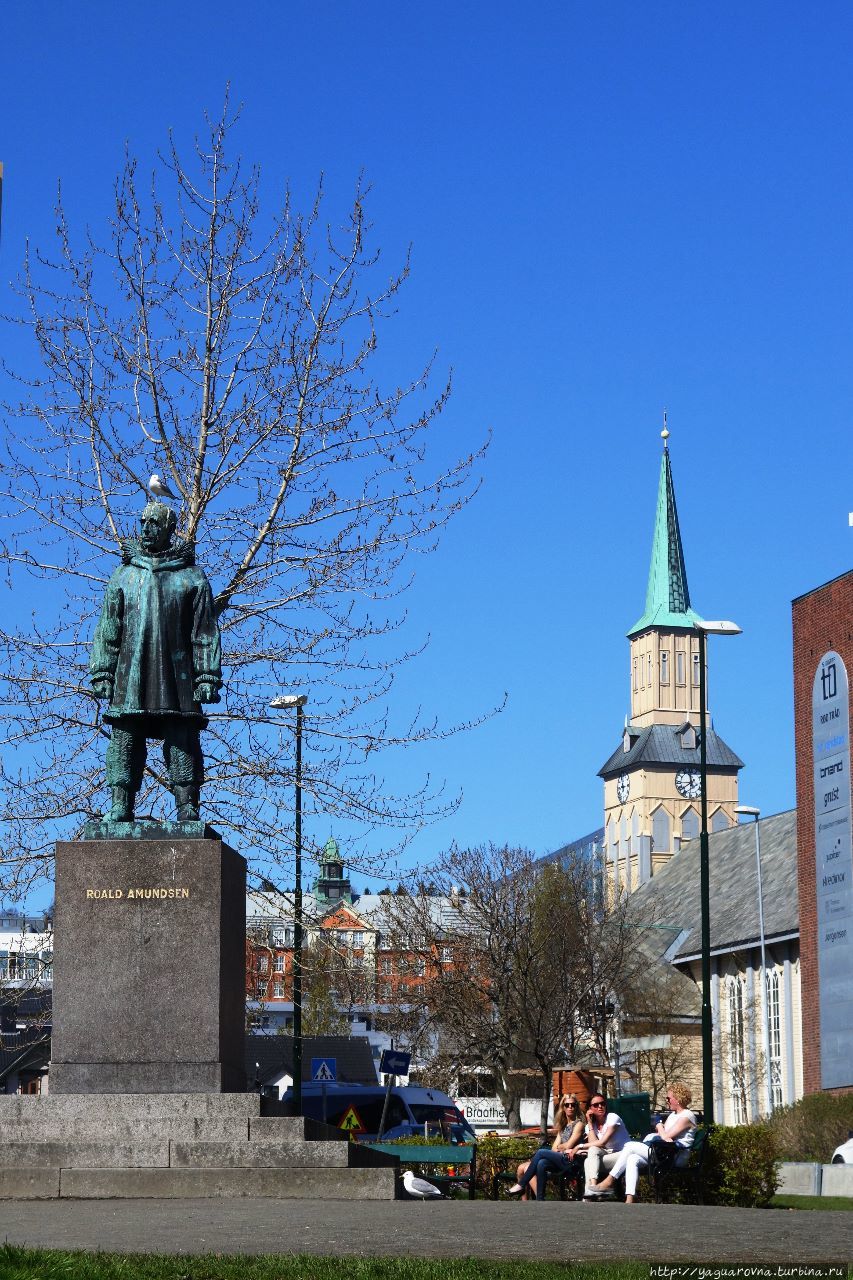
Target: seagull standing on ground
(420, 1188)
(159, 488)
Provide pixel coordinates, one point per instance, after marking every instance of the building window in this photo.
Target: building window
(636, 686)
(283, 937)
(679, 666)
(263, 964)
(775, 1035)
(664, 667)
(447, 955)
(278, 991)
(357, 938)
(696, 670)
(649, 671)
(419, 967)
(660, 831)
(720, 821)
(737, 1054)
(386, 966)
(689, 825)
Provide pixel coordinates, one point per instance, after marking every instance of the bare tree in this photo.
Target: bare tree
(522, 963)
(234, 354)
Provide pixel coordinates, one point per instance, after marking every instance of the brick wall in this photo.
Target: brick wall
(822, 620)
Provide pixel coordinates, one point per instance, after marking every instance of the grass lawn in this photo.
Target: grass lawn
(812, 1202)
(49, 1264)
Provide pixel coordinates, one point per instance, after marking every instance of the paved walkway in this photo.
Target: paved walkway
(482, 1229)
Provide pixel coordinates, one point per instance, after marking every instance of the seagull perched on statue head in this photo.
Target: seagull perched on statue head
(420, 1188)
(159, 488)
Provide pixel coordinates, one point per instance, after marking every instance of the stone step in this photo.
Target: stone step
(66, 1107)
(140, 1153)
(120, 1129)
(281, 1184)
(286, 1128)
(261, 1155)
(84, 1155)
(44, 1126)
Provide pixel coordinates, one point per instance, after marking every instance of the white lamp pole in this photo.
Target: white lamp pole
(703, 629)
(298, 701)
(749, 812)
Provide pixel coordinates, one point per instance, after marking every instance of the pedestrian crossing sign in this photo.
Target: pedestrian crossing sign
(351, 1121)
(324, 1070)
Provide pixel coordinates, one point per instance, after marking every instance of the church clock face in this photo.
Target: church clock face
(688, 783)
(623, 787)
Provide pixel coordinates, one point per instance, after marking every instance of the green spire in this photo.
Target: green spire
(667, 596)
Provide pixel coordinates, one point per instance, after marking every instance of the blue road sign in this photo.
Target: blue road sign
(394, 1063)
(324, 1069)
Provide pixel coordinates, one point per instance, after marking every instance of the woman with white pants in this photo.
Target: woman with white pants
(679, 1127)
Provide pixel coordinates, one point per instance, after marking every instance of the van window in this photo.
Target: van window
(432, 1114)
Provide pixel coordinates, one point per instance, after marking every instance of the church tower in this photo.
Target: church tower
(652, 785)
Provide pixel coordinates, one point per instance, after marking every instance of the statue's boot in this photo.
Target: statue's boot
(186, 799)
(122, 808)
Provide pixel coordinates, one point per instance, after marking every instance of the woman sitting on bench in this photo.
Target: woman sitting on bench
(678, 1131)
(533, 1174)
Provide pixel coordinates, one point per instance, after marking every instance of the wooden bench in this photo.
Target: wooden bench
(689, 1174)
(429, 1155)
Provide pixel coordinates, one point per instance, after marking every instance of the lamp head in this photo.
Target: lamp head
(748, 810)
(289, 700)
(718, 628)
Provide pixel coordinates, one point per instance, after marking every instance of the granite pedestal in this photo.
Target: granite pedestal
(149, 967)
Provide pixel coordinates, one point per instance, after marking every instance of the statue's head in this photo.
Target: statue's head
(156, 526)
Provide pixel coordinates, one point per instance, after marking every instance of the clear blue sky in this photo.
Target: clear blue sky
(613, 207)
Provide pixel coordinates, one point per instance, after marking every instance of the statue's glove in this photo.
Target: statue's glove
(103, 688)
(205, 691)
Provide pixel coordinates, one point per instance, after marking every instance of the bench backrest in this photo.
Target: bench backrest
(427, 1154)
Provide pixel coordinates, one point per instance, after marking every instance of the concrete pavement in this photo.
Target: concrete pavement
(554, 1230)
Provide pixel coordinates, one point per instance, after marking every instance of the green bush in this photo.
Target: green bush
(812, 1128)
(740, 1166)
(501, 1155)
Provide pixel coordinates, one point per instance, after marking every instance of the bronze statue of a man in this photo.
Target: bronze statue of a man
(156, 656)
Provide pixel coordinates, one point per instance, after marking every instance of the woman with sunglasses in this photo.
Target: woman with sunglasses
(533, 1174)
(678, 1130)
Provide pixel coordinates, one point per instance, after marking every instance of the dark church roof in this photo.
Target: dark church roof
(661, 744)
(274, 1057)
(671, 897)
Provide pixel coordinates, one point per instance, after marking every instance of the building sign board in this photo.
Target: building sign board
(488, 1113)
(833, 869)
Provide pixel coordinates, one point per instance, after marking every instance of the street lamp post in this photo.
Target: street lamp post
(703, 629)
(298, 701)
(750, 812)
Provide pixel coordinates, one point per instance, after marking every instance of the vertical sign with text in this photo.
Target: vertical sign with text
(833, 869)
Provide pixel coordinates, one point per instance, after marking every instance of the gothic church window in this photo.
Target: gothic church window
(660, 831)
(737, 1051)
(689, 825)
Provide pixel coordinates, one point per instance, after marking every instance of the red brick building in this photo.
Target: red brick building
(823, 670)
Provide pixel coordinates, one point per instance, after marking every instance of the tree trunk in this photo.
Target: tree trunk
(546, 1098)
